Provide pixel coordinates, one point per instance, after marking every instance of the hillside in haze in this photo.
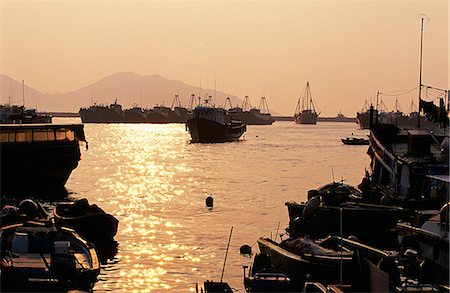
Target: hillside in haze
(129, 88)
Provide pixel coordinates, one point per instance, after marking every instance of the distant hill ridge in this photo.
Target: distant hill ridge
(128, 87)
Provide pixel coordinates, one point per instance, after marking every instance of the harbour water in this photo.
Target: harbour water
(155, 182)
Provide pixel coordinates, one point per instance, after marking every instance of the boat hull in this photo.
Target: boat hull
(94, 227)
(306, 117)
(37, 166)
(208, 131)
(302, 267)
(355, 141)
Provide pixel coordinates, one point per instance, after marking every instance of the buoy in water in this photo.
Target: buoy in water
(209, 202)
(245, 249)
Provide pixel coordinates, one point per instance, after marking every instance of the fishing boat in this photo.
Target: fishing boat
(90, 221)
(332, 260)
(305, 112)
(252, 116)
(36, 256)
(403, 162)
(208, 124)
(114, 113)
(372, 224)
(37, 157)
(12, 114)
(355, 141)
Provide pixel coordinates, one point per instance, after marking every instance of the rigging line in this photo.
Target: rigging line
(397, 93)
(434, 88)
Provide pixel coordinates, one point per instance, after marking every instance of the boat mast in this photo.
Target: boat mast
(420, 70)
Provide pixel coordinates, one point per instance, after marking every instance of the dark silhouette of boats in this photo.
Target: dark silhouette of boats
(262, 277)
(208, 124)
(333, 260)
(37, 256)
(370, 223)
(305, 112)
(115, 114)
(90, 221)
(355, 141)
(403, 162)
(249, 115)
(397, 117)
(36, 157)
(430, 246)
(14, 212)
(12, 114)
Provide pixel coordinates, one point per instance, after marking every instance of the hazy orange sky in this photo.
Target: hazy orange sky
(346, 49)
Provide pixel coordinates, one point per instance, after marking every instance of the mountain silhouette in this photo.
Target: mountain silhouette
(128, 88)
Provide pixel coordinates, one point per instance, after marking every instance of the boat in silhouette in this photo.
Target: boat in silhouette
(90, 221)
(37, 157)
(355, 141)
(208, 124)
(37, 256)
(249, 115)
(305, 112)
(115, 114)
(12, 114)
(332, 260)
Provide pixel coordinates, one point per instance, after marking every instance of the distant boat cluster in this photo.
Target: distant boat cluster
(114, 113)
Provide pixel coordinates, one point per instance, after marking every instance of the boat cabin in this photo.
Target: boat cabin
(14, 133)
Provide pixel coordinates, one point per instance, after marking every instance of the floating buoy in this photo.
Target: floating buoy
(209, 202)
(245, 249)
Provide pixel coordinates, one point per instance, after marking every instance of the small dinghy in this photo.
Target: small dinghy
(90, 221)
(38, 256)
(355, 141)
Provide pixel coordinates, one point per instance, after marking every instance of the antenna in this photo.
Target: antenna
(226, 254)
(332, 174)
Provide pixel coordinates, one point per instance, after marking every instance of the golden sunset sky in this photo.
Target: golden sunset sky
(346, 49)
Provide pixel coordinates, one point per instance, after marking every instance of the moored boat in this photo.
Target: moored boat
(214, 125)
(36, 256)
(355, 141)
(305, 112)
(90, 221)
(332, 260)
(37, 157)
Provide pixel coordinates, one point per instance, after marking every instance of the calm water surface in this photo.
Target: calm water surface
(155, 182)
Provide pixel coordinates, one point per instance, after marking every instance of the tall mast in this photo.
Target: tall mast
(420, 71)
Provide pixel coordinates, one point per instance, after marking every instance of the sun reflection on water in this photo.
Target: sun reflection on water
(155, 182)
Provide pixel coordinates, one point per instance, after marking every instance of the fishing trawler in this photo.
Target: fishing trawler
(208, 124)
(305, 112)
(251, 115)
(13, 114)
(115, 114)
